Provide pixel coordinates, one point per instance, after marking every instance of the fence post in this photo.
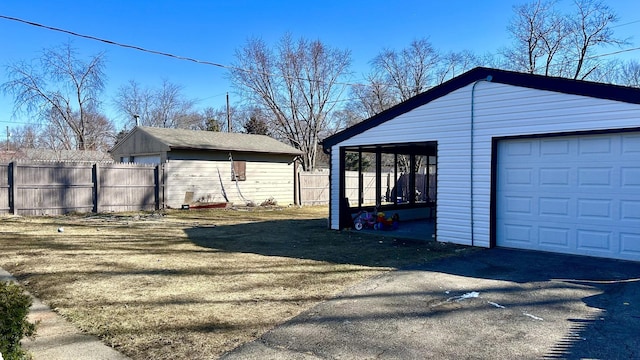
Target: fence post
(159, 181)
(296, 184)
(96, 187)
(13, 169)
(299, 190)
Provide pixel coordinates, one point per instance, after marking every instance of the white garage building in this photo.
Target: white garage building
(508, 159)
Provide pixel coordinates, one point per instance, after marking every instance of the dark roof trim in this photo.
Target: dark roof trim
(562, 85)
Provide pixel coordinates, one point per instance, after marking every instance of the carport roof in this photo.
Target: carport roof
(562, 85)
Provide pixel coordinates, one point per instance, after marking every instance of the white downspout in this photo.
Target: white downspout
(472, 205)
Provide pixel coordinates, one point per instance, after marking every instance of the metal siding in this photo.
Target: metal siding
(500, 110)
(334, 203)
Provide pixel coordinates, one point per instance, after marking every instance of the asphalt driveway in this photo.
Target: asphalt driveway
(489, 304)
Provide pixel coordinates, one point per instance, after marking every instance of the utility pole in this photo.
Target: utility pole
(8, 136)
(228, 115)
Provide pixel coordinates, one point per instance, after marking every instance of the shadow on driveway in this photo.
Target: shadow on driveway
(490, 304)
(608, 324)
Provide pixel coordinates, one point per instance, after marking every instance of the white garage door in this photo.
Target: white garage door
(570, 194)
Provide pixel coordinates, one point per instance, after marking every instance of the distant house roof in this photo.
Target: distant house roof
(182, 139)
(55, 155)
(562, 85)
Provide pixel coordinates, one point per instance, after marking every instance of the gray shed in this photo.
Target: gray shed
(206, 166)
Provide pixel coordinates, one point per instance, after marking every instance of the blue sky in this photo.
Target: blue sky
(212, 31)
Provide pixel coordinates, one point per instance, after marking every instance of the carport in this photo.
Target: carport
(510, 159)
(389, 178)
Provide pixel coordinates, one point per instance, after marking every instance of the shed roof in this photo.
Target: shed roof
(182, 139)
(562, 85)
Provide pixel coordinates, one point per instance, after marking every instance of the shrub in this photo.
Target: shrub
(14, 307)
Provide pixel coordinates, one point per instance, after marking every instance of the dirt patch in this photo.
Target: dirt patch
(193, 284)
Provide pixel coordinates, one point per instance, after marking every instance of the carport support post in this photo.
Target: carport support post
(378, 179)
(360, 181)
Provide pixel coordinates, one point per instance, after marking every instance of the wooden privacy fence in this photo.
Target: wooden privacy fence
(43, 188)
(314, 187)
(48, 188)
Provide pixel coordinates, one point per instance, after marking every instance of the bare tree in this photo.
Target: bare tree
(25, 137)
(63, 91)
(531, 23)
(454, 64)
(630, 73)
(590, 29)
(211, 119)
(298, 82)
(409, 71)
(399, 75)
(546, 42)
(132, 100)
(165, 106)
(171, 109)
(371, 98)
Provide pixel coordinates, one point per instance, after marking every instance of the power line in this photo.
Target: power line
(614, 53)
(110, 42)
(625, 24)
(155, 52)
(215, 64)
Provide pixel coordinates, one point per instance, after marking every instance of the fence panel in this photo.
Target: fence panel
(126, 187)
(314, 188)
(5, 190)
(53, 188)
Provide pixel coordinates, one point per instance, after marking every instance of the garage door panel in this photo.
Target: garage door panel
(519, 150)
(630, 244)
(630, 210)
(555, 147)
(630, 177)
(519, 176)
(555, 176)
(595, 177)
(570, 194)
(594, 209)
(595, 145)
(556, 237)
(518, 234)
(630, 145)
(554, 206)
(518, 204)
(594, 240)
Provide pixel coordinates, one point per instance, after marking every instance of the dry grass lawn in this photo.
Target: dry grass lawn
(193, 284)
